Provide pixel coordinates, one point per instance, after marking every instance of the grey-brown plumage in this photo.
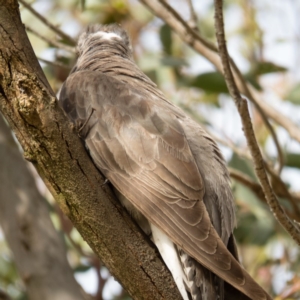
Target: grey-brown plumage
(166, 169)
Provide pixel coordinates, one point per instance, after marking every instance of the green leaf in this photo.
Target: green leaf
(292, 160)
(173, 61)
(251, 79)
(252, 230)
(294, 94)
(166, 38)
(211, 98)
(81, 268)
(261, 68)
(211, 82)
(242, 165)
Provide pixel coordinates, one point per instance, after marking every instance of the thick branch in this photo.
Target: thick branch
(242, 107)
(29, 105)
(39, 252)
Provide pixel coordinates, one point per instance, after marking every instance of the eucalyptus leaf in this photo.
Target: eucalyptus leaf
(173, 61)
(261, 68)
(252, 80)
(166, 38)
(292, 160)
(212, 82)
(81, 268)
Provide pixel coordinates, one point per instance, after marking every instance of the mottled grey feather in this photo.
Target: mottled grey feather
(159, 159)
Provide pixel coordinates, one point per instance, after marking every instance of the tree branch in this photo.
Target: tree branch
(241, 104)
(258, 191)
(29, 105)
(193, 16)
(55, 64)
(39, 252)
(278, 184)
(248, 182)
(51, 41)
(47, 23)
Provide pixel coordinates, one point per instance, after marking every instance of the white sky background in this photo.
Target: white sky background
(279, 20)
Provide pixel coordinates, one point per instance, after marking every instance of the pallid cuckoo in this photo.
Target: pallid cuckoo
(166, 170)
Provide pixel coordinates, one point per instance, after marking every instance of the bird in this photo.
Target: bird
(166, 170)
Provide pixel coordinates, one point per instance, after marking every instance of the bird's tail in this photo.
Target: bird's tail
(229, 291)
(202, 284)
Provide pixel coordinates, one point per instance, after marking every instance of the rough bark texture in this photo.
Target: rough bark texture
(27, 102)
(38, 250)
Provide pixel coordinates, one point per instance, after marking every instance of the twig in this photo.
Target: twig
(277, 183)
(96, 263)
(193, 16)
(242, 107)
(48, 24)
(245, 88)
(51, 41)
(281, 190)
(243, 153)
(209, 50)
(285, 122)
(54, 63)
(248, 182)
(258, 191)
(164, 11)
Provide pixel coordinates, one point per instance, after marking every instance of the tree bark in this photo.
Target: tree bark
(30, 107)
(38, 250)
(4, 296)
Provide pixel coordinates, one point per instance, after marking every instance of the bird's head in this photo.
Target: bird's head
(96, 36)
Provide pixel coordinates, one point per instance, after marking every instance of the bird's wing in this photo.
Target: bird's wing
(140, 145)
